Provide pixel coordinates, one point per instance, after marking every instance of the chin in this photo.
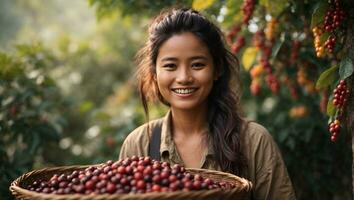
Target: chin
(186, 106)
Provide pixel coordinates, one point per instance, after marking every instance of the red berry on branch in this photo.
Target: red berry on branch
(247, 9)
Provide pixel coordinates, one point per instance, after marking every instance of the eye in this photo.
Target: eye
(169, 66)
(198, 65)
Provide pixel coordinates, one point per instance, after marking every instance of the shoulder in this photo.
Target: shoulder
(142, 133)
(259, 144)
(256, 133)
(137, 142)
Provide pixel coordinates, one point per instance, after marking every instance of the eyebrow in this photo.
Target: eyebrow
(191, 58)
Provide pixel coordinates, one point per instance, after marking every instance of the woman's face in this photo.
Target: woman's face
(185, 72)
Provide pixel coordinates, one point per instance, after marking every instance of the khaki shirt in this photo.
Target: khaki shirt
(266, 169)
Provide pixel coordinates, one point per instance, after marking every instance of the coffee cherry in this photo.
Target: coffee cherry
(156, 188)
(121, 170)
(111, 188)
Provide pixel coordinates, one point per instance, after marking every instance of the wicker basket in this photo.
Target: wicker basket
(241, 191)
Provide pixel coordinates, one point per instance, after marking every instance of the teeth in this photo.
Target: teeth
(184, 91)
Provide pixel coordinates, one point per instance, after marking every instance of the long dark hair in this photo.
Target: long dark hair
(224, 113)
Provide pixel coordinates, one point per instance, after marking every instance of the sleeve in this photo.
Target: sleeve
(136, 143)
(271, 177)
(124, 150)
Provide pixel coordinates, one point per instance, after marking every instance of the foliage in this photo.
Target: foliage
(29, 102)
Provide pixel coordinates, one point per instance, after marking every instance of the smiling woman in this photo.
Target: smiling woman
(187, 66)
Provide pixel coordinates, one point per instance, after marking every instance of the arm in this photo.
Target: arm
(136, 143)
(269, 173)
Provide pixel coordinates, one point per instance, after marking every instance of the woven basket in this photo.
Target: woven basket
(241, 191)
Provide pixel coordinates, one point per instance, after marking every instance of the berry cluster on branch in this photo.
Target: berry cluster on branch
(247, 9)
(340, 94)
(334, 17)
(334, 129)
(317, 32)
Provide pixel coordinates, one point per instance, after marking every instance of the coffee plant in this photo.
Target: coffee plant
(29, 104)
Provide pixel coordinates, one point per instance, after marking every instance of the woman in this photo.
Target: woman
(185, 64)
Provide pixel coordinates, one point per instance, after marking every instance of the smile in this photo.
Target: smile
(184, 91)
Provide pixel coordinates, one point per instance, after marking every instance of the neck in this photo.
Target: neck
(186, 122)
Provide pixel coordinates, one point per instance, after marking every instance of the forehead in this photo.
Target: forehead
(182, 46)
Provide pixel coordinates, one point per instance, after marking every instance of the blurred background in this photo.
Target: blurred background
(67, 95)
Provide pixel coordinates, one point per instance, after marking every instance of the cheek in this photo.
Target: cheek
(207, 79)
(162, 81)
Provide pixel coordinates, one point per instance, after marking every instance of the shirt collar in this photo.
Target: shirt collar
(167, 144)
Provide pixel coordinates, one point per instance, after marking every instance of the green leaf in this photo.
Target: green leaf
(319, 13)
(202, 4)
(233, 12)
(274, 7)
(331, 110)
(100, 115)
(248, 57)
(346, 68)
(324, 37)
(326, 78)
(86, 106)
(277, 46)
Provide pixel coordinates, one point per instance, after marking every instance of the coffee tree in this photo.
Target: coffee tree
(29, 104)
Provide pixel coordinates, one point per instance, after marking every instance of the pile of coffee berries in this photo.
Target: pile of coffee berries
(131, 175)
(334, 129)
(340, 94)
(247, 9)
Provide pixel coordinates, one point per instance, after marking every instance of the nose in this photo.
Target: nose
(184, 76)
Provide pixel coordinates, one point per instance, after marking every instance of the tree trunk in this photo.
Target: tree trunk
(349, 110)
